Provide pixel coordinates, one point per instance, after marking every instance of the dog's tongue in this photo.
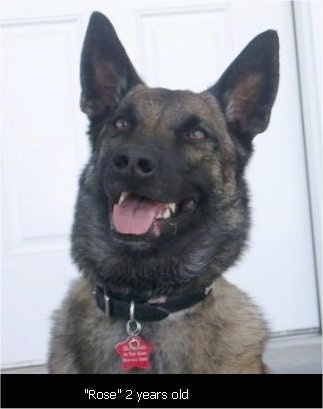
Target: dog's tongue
(135, 216)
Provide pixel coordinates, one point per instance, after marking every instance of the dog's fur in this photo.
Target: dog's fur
(167, 146)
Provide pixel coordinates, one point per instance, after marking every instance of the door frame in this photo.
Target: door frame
(308, 39)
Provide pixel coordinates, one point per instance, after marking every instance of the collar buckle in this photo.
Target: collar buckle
(102, 299)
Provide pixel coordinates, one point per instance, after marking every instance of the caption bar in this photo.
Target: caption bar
(129, 394)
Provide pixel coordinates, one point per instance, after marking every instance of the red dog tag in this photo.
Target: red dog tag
(134, 353)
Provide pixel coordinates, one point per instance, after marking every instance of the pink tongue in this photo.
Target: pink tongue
(134, 216)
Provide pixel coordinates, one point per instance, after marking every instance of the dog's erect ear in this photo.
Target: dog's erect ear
(247, 89)
(106, 71)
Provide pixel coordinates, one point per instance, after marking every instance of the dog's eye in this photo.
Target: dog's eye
(121, 123)
(196, 134)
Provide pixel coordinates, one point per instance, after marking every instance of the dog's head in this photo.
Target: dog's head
(163, 196)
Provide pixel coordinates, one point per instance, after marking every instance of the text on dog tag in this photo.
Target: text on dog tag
(134, 353)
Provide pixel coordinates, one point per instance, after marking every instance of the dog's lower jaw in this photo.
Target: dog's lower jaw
(134, 267)
(131, 245)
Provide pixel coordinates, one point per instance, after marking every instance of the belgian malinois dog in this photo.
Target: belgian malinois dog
(162, 212)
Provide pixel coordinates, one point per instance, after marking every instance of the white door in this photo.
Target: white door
(176, 44)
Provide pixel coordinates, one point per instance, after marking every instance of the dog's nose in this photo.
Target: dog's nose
(137, 162)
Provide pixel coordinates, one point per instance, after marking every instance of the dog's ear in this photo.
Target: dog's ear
(106, 71)
(247, 89)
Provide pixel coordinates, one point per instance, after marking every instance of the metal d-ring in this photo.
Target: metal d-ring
(132, 310)
(133, 326)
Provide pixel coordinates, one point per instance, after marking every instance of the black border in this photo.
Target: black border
(204, 391)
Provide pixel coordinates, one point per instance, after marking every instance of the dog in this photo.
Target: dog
(162, 212)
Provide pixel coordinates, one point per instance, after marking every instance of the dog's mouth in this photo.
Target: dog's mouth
(139, 216)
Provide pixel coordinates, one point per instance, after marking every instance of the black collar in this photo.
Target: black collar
(118, 306)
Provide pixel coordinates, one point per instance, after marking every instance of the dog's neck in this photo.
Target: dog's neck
(116, 302)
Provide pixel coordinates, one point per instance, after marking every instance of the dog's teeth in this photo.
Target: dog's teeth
(167, 213)
(172, 207)
(123, 197)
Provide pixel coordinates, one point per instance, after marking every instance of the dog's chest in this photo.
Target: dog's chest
(169, 349)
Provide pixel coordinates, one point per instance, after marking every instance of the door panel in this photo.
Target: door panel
(178, 44)
(40, 163)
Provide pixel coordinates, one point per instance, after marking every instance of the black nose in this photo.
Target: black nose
(134, 161)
